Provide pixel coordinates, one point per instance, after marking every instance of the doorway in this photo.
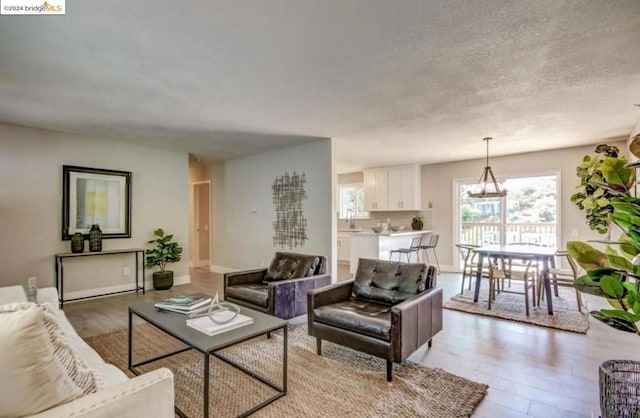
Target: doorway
(528, 214)
(202, 221)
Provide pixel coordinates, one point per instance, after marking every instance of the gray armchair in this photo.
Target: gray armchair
(280, 290)
(389, 310)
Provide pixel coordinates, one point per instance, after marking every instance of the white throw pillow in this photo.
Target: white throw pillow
(38, 368)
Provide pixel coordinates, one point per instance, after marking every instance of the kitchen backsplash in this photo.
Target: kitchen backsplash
(394, 217)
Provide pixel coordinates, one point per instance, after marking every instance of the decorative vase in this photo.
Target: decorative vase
(162, 280)
(95, 238)
(417, 226)
(77, 243)
(620, 388)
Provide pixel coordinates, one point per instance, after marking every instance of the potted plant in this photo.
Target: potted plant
(616, 277)
(605, 196)
(417, 223)
(165, 251)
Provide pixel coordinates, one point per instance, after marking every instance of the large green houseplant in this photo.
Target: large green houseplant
(602, 178)
(613, 273)
(165, 251)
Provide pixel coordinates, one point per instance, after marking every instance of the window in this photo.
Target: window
(351, 201)
(528, 214)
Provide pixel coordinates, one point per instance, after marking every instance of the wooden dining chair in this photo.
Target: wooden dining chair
(521, 265)
(560, 277)
(470, 263)
(501, 270)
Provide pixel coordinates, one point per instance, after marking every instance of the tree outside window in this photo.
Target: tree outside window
(351, 201)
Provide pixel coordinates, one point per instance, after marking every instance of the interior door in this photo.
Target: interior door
(202, 201)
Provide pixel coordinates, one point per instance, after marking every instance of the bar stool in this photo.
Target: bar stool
(414, 248)
(433, 242)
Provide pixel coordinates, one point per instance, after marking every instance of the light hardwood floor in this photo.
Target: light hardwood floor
(531, 371)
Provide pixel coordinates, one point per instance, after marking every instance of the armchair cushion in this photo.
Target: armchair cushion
(367, 318)
(388, 282)
(285, 266)
(256, 294)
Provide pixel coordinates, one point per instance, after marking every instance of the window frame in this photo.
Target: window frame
(366, 214)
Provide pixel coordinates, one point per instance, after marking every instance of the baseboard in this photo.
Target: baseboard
(148, 284)
(448, 269)
(199, 263)
(221, 269)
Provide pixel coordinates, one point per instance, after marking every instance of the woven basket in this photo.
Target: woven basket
(620, 389)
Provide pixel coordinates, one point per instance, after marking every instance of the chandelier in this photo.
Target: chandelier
(487, 185)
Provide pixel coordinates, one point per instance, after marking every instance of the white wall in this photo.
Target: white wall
(438, 184)
(31, 163)
(242, 234)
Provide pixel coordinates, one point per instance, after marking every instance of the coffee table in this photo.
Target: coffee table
(175, 325)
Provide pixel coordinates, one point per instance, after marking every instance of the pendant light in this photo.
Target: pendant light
(487, 185)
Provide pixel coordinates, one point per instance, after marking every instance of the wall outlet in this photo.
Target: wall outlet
(126, 271)
(32, 282)
(575, 232)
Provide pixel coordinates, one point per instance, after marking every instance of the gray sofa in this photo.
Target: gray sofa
(280, 290)
(389, 310)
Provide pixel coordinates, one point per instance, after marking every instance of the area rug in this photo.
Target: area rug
(341, 382)
(510, 306)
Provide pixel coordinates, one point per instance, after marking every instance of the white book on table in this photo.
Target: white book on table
(207, 326)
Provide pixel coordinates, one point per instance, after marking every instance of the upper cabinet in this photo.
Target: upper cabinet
(376, 193)
(392, 188)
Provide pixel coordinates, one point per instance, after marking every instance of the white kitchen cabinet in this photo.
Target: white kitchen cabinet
(344, 246)
(376, 193)
(392, 188)
(404, 187)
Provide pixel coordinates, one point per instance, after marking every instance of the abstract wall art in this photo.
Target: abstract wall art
(290, 225)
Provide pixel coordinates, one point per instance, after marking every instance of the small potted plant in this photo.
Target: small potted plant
(417, 223)
(164, 252)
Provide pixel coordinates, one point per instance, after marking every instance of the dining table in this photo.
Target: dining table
(545, 256)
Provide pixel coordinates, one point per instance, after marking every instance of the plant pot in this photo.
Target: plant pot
(417, 226)
(162, 280)
(620, 388)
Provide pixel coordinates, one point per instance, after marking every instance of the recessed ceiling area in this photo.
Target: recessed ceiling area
(392, 82)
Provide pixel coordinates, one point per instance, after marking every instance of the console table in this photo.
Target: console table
(139, 253)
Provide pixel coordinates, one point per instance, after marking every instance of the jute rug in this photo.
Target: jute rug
(340, 383)
(510, 306)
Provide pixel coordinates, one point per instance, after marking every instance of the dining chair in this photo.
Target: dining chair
(431, 245)
(562, 277)
(414, 248)
(502, 269)
(470, 263)
(520, 265)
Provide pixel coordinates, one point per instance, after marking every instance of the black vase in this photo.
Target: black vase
(77, 243)
(95, 238)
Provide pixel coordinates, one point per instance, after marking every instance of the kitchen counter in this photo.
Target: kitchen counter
(368, 244)
(402, 233)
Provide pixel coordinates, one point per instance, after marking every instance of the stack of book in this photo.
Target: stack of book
(205, 325)
(187, 305)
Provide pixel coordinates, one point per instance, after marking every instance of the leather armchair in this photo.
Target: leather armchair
(280, 290)
(389, 310)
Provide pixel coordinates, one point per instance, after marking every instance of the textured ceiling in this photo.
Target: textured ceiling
(392, 81)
